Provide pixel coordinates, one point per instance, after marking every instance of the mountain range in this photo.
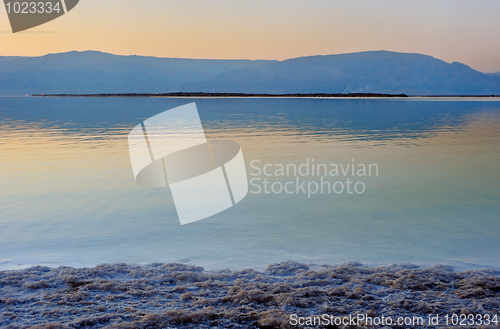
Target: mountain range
(90, 72)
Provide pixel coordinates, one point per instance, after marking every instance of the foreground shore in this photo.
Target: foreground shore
(185, 296)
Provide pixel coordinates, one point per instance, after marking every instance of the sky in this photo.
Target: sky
(451, 30)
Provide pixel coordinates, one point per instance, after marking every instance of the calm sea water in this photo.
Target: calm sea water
(68, 196)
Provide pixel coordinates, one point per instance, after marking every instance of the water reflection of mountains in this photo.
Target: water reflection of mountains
(370, 119)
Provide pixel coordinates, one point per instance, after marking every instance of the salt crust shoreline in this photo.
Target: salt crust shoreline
(184, 296)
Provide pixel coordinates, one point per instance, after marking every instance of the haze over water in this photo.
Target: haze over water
(68, 196)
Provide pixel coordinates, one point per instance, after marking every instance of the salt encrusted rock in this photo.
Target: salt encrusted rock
(184, 296)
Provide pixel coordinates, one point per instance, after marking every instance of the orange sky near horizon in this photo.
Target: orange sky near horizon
(451, 30)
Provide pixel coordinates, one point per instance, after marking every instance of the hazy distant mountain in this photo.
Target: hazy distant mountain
(373, 71)
(367, 72)
(97, 72)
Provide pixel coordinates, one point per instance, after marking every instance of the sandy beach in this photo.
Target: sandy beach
(184, 296)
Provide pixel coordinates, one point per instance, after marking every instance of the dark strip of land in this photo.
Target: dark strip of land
(202, 94)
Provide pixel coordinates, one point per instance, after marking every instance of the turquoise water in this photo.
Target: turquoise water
(68, 196)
